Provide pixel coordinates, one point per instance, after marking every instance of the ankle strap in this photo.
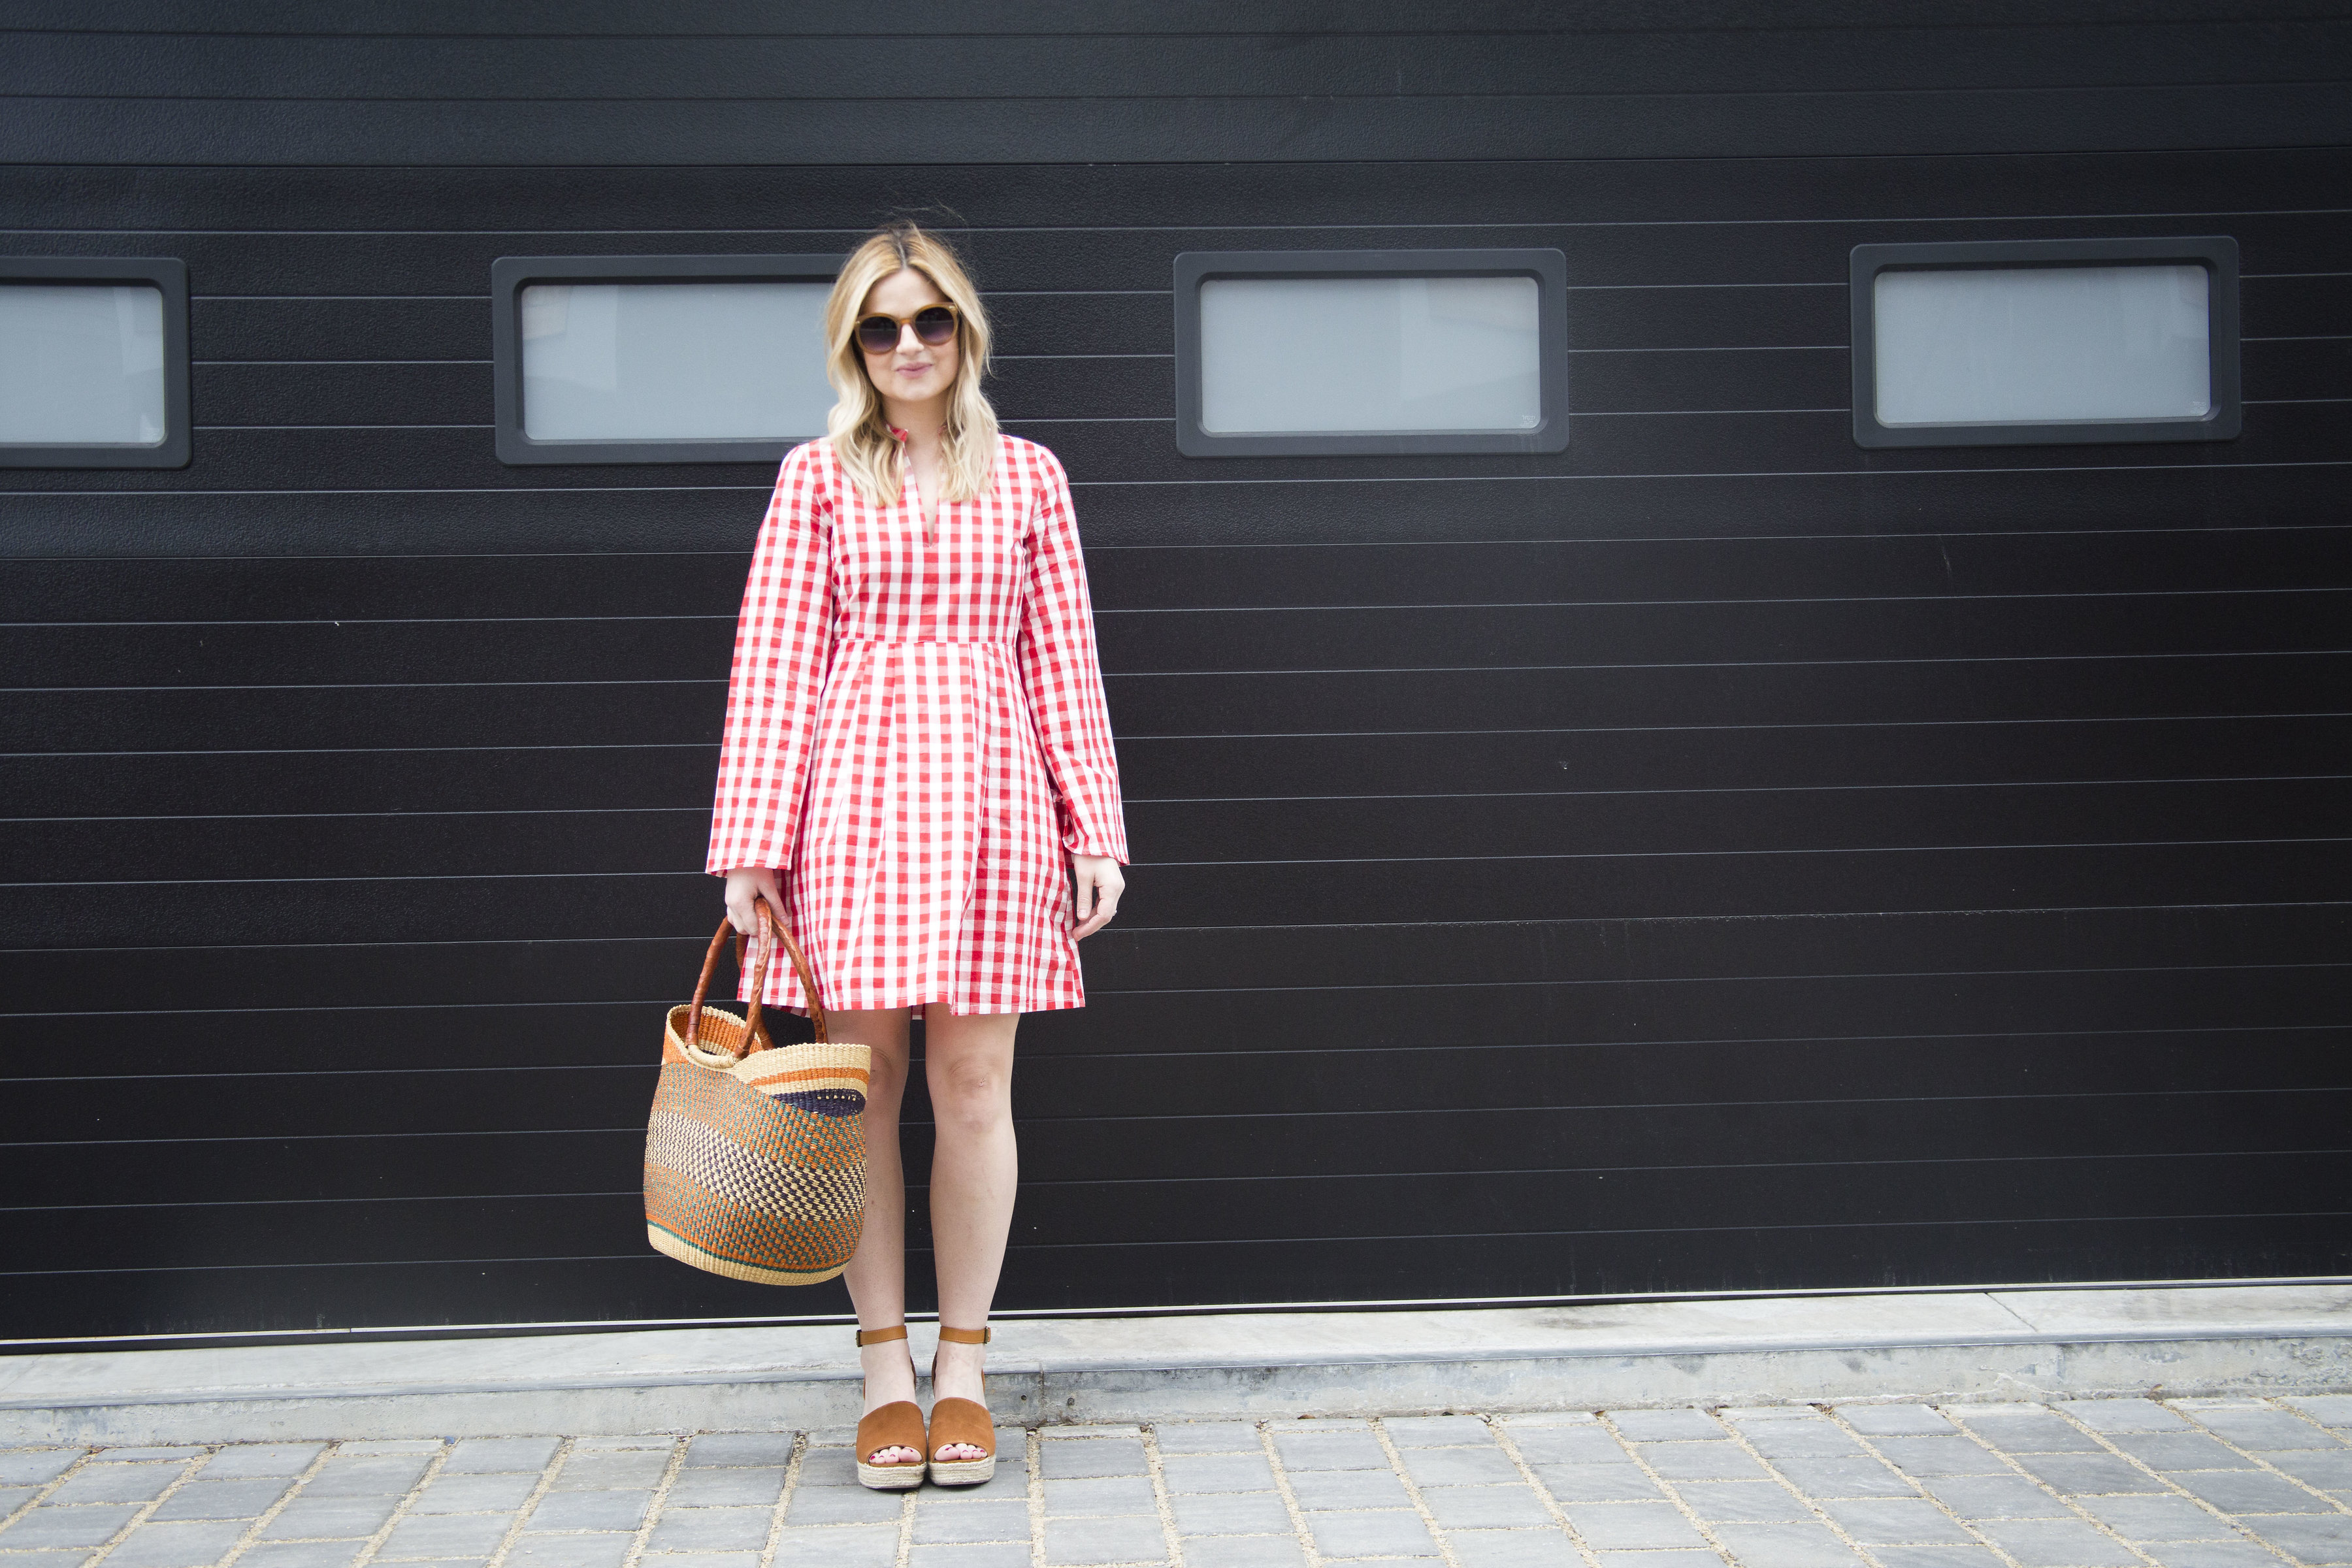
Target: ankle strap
(880, 1336)
(963, 1336)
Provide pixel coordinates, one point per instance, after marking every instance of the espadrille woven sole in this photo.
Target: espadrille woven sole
(962, 1472)
(892, 1478)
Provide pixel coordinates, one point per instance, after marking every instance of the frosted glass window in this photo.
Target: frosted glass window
(2045, 345)
(673, 361)
(1339, 355)
(81, 364)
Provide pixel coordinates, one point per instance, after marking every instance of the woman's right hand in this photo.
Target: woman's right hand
(744, 884)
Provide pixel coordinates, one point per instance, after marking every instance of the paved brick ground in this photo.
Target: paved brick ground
(2089, 1484)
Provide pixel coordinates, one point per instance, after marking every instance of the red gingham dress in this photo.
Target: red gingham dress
(916, 734)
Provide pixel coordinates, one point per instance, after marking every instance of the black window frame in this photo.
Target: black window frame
(169, 275)
(1547, 267)
(2217, 253)
(510, 275)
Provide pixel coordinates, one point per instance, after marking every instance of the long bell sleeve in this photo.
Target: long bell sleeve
(783, 641)
(1062, 675)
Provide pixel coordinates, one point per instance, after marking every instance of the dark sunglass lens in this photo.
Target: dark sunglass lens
(935, 324)
(877, 334)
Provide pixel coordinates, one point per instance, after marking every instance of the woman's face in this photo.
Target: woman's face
(913, 372)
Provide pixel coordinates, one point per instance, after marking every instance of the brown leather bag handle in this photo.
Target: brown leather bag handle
(771, 926)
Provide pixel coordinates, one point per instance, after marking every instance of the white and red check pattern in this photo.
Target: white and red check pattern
(916, 734)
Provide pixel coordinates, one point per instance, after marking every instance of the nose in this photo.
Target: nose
(908, 343)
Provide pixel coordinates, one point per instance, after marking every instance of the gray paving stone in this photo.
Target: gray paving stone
(1786, 1546)
(1230, 1513)
(628, 1470)
(14, 1497)
(329, 1518)
(701, 1560)
(1762, 1501)
(1939, 1456)
(601, 1551)
(2329, 1472)
(239, 1460)
(1511, 1548)
(428, 1537)
(1486, 1466)
(2057, 1544)
(1101, 1497)
(2249, 1492)
(1779, 1440)
(1995, 1497)
(1086, 1540)
(1217, 1472)
(36, 1467)
(1005, 1519)
(1069, 1459)
(2235, 1554)
(955, 1554)
(1701, 1461)
(2088, 1475)
(2180, 1451)
(2164, 1518)
(115, 1483)
(1330, 1450)
(1631, 1526)
(1243, 1552)
(840, 1505)
(423, 1447)
(67, 1527)
(2312, 1538)
(1894, 1420)
(1936, 1557)
(2260, 1430)
(1596, 1483)
(1488, 1508)
(1393, 1533)
(1892, 1522)
(1436, 1431)
(1669, 1425)
(751, 1487)
(1207, 1437)
(2033, 1431)
(484, 1456)
(740, 1448)
(501, 1493)
(224, 1499)
(2328, 1409)
(710, 1530)
(1657, 1559)
(178, 1543)
(1568, 1445)
(129, 1455)
(589, 1510)
(366, 1476)
(867, 1546)
(302, 1554)
(1323, 1491)
(2112, 1415)
(1862, 1477)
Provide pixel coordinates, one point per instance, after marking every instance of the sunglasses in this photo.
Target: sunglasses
(878, 334)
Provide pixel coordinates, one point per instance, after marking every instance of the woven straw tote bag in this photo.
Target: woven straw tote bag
(755, 1153)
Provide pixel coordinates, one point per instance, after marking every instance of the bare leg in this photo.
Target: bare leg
(877, 1274)
(968, 1063)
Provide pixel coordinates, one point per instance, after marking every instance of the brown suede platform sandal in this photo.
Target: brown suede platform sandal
(895, 1426)
(962, 1421)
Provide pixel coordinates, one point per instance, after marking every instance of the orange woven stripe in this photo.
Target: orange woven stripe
(858, 1073)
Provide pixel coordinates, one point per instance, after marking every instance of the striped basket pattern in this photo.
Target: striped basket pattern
(755, 1154)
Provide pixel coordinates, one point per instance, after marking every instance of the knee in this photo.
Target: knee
(970, 1097)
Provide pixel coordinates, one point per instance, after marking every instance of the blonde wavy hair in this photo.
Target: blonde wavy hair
(862, 441)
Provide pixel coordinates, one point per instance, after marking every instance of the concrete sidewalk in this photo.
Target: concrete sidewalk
(1966, 1345)
(2122, 1483)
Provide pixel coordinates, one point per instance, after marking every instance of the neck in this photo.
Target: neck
(925, 423)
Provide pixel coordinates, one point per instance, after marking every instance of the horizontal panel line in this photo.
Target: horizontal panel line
(1516, 858)
(1614, 923)
(1334, 987)
(207, 427)
(1249, 799)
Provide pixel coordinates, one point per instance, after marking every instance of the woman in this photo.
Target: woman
(917, 767)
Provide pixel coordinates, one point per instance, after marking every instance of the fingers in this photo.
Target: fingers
(1097, 902)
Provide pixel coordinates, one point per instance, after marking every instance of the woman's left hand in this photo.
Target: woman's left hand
(1098, 885)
